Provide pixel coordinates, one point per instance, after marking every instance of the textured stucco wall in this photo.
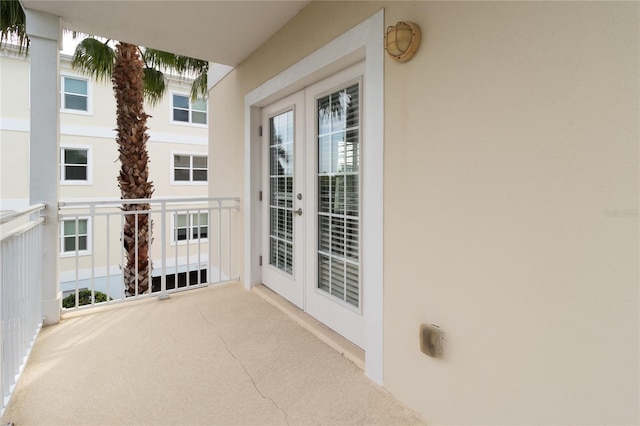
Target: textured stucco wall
(511, 173)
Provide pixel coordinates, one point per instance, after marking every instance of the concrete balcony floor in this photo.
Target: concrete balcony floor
(219, 355)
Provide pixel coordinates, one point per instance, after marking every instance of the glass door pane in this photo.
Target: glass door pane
(338, 145)
(281, 162)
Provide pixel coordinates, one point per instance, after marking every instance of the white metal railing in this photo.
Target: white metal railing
(20, 292)
(194, 244)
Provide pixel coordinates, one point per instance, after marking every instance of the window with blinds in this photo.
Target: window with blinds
(338, 138)
(191, 226)
(75, 94)
(187, 111)
(189, 168)
(74, 164)
(281, 139)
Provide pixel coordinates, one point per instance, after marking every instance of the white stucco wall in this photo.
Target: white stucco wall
(511, 173)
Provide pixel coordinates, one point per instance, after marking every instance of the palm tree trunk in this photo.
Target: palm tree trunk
(133, 179)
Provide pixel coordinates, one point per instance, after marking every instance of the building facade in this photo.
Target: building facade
(88, 166)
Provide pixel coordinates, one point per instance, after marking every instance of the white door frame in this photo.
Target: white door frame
(362, 42)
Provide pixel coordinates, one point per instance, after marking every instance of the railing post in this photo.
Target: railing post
(219, 240)
(91, 247)
(123, 259)
(163, 241)
(76, 258)
(188, 243)
(137, 249)
(236, 254)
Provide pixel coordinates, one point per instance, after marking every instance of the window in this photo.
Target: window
(75, 94)
(75, 165)
(74, 236)
(186, 111)
(189, 168)
(191, 226)
(338, 142)
(196, 277)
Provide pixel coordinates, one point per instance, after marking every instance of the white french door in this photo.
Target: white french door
(283, 184)
(311, 212)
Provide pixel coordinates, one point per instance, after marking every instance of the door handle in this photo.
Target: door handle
(298, 212)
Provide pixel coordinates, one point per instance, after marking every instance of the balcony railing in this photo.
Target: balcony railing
(20, 292)
(193, 244)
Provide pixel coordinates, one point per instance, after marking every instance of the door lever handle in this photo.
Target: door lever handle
(298, 212)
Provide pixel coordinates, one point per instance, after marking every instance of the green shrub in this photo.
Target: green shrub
(84, 298)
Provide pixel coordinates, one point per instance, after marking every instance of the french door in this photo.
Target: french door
(283, 185)
(311, 201)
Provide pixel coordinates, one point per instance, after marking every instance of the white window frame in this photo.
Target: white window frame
(186, 123)
(172, 179)
(61, 236)
(89, 110)
(71, 182)
(189, 240)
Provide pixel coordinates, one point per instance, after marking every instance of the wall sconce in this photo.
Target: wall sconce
(402, 40)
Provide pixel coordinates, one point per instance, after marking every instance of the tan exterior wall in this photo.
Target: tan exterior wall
(14, 179)
(512, 137)
(94, 130)
(15, 76)
(511, 171)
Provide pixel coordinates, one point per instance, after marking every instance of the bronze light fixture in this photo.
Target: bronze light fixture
(402, 40)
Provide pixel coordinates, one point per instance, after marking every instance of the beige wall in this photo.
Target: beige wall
(510, 138)
(94, 130)
(15, 77)
(14, 179)
(511, 170)
(14, 176)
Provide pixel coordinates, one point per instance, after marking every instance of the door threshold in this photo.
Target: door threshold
(350, 351)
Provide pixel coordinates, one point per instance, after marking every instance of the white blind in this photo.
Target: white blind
(338, 138)
(281, 139)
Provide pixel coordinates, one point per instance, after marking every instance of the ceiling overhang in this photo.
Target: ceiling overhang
(224, 32)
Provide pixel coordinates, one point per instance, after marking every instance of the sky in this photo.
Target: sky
(68, 43)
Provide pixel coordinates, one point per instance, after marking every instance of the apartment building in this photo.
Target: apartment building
(89, 166)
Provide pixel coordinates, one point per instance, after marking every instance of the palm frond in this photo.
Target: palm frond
(199, 86)
(196, 66)
(95, 58)
(12, 25)
(161, 60)
(182, 66)
(154, 85)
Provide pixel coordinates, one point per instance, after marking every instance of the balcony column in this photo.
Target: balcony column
(45, 34)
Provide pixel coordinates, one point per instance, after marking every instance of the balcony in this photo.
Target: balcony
(217, 354)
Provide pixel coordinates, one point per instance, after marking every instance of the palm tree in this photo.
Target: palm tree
(12, 25)
(136, 74)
